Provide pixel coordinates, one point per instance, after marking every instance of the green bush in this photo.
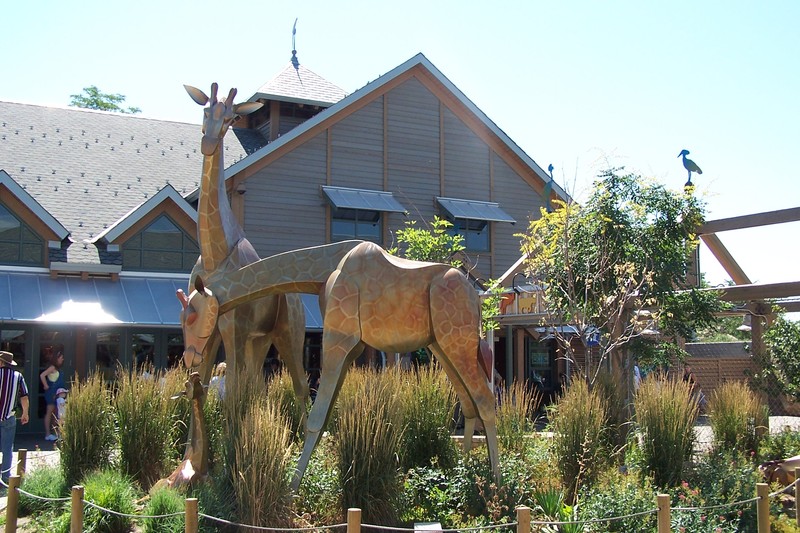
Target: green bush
(579, 436)
(163, 502)
(110, 490)
(144, 427)
(320, 494)
(781, 445)
(515, 415)
(739, 419)
(617, 495)
(87, 432)
(428, 404)
(46, 482)
(666, 412)
(367, 443)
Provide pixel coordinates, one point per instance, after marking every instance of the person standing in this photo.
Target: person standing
(12, 390)
(52, 379)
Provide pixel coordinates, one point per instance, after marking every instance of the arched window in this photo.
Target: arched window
(19, 244)
(162, 246)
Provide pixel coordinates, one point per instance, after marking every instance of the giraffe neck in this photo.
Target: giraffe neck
(218, 232)
(298, 271)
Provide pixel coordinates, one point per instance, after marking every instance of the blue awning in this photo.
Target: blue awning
(145, 301)
(364, 199)
(474, 210)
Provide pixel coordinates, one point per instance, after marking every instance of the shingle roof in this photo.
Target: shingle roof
(90, 168)
(300, 85)
(717, 349)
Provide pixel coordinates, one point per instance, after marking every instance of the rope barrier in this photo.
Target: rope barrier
(263, 528)
(126, 515)
(476, 528)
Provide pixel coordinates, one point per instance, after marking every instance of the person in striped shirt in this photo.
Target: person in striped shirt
(12, 390)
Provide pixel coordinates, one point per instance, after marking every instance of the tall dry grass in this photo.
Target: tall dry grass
(738, 417)
(280, 392)
(428, 402)
(144, 427)
(666, 412)
(579, 426)
(516, 414)
(613, 387)
(369, 433)
(87, 429)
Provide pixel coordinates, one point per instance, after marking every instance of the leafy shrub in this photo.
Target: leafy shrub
(738, 417)
(782, 366)
(367, 442)
(110, 490)
(320, 494)
(781, 445)
(579, 441)
(145, 427)
(515, 415)
(617, 495)
(46, 482)
(428, 403)
(666, 412)
(162, 502)
(87, 432)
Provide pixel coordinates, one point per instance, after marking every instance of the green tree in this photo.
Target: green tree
(616, 267)
(92, 98)
(782, 364)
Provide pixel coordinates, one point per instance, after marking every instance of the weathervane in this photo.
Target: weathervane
(690, 167)
(548, 188)
(295, 61)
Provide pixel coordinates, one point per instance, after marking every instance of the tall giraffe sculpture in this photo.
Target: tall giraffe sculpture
(368, 297)
(248, 331)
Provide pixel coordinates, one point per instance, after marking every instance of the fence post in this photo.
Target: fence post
(354, 520)
(762, 507)
(796, 488)
(523, 519)
(76, 515)
(22, 459)
(192, 519)
(664, 513)
(12, 504)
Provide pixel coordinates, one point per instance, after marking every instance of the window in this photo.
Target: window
(475, 232)
(18, 243)
(356, 224)
(161, 246)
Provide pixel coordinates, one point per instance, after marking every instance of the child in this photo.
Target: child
(61, 403)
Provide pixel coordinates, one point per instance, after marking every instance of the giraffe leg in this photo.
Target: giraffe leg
(289, 337)
(338, 352)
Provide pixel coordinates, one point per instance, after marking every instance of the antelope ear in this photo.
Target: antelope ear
(196, 94)
(199, 286)
(245, 108)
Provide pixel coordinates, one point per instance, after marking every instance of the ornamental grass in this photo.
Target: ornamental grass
(666, 412)
(738, 417)
(516, 413)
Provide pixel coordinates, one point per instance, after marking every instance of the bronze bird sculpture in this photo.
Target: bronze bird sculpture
(690, 166)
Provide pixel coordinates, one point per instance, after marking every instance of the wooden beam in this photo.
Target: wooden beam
(757, 291)
(725, 259)
(751, 221)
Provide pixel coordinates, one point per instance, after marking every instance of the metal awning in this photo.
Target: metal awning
(365, 199)
(474, 210)
(141, 301)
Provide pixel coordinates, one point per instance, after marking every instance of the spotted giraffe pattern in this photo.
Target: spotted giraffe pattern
(369, 297)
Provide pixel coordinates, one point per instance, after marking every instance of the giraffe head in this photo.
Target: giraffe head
(219, 115)
(198, 321)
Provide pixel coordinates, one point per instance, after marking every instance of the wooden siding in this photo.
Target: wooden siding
(357, 149)
(284, 208)
(287, 124)
(466, 161)
(711, 372)
(517, 199)
(412, 126)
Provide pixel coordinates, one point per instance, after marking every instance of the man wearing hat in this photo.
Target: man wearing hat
(12, 388)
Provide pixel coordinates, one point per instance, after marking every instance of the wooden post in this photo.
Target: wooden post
(22, 460)
(354, 520)
(12, 504)
(192, 518)
(762, 507)
(523, 519)
(664, 513)
(796, 489)
(76, 515)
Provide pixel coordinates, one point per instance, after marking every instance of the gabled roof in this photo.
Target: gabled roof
(140, 211)
(89, 169)
(300, 85)
(417, 64)
(30, 202)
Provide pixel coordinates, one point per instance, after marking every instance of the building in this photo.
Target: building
(98, 219)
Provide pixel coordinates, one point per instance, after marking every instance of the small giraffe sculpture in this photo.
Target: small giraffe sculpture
(248, 331)
(368, 297)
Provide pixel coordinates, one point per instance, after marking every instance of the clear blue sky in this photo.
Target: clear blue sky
(581, 85)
